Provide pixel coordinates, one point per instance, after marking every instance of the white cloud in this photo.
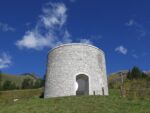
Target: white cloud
(5, 60)
(135, 56)
(50, 29)
(85, 41)
(121, 49)
(54, 15)
(131, 22)
(5, 27)
(31, 40)
(139, 28)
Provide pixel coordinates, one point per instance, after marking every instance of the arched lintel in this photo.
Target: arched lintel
(82, 76)
(81, 73)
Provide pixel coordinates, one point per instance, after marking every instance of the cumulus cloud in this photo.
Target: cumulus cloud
(121, 49)
(5, 27)
(5, 60)
(50, 29)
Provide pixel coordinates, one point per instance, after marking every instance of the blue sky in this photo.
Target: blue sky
(29, 29)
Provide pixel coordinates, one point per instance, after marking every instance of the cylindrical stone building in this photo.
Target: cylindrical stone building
(75, 69)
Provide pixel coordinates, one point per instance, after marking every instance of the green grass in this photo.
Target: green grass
(74, 104)
(17, 79)
(7, 96)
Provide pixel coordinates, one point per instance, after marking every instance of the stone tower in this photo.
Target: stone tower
(75, 69)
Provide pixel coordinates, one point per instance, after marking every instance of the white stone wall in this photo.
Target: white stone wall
(67, 61)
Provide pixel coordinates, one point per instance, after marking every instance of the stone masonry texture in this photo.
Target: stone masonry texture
(67, 61)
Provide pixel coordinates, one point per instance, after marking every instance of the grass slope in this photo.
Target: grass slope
(75, 104)
(116, 76)
(15, 79)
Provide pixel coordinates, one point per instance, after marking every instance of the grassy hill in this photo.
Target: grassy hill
(17, 79)
(136, 87)
(29, 102)
(116, 76)
(114, 79)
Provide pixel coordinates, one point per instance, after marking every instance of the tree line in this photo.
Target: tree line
(136, 73)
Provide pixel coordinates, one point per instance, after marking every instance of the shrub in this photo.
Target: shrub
(27, 83)
(8, 85)
(38, 83)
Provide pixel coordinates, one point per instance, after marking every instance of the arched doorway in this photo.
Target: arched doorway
(83, 84)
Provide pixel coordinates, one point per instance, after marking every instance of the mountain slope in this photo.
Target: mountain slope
(17, 79)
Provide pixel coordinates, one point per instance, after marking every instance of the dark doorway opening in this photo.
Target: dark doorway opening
(83, 84)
